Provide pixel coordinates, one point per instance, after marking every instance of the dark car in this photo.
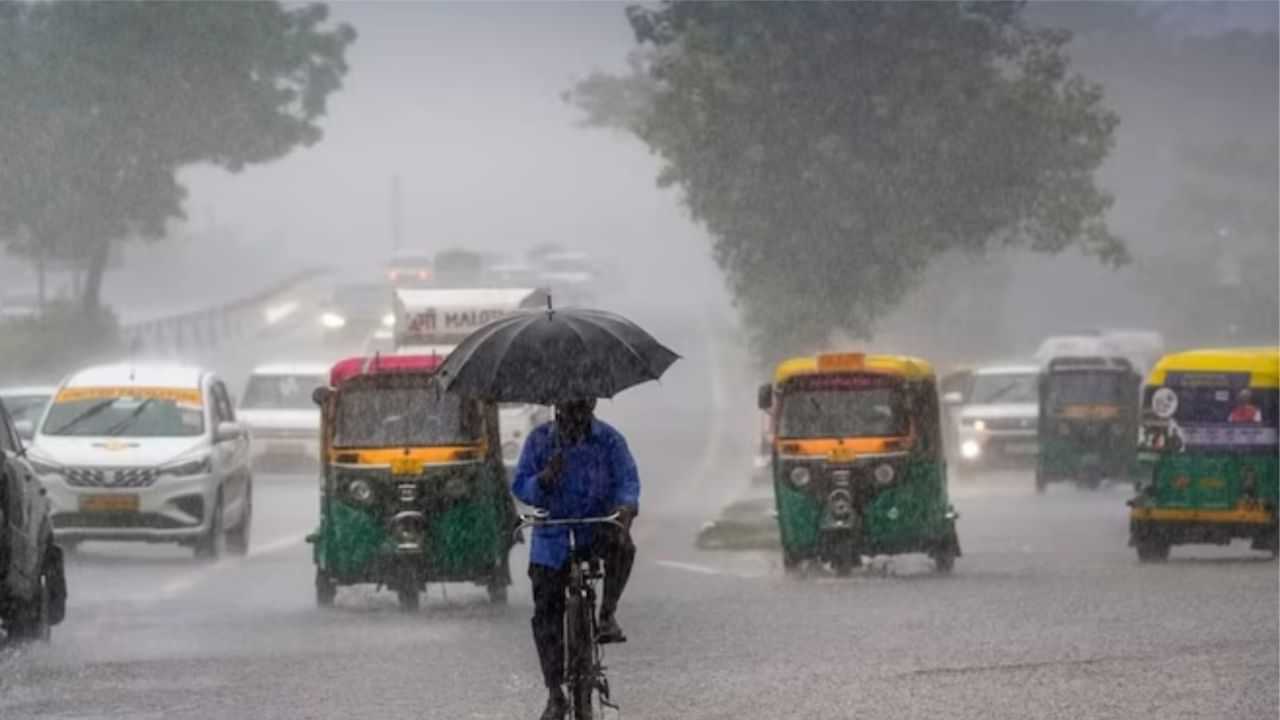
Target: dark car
(33, 587)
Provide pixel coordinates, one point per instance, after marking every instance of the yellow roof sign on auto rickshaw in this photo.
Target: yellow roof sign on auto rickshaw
(901, 365)
(1262, 364)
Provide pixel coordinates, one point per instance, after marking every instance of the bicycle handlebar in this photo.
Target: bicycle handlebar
(542, 520)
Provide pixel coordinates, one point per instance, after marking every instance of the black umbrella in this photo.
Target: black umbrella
(549, 356)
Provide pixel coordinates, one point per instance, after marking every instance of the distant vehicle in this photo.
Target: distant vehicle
(570, 275)
(281, 416)
(410, 269)
(504, 275)
(380, 342)
(25, 406)
(999, 417)
(1142, 348)
(1073, 346)
(459, 268)
(149, 453)
(516, 421)
(355, 309)
(33, 587)
(1088, 421)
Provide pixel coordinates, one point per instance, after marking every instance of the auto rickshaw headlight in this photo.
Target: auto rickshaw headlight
(800, 476)
(456, 486)
(361, 490)
(884, 474)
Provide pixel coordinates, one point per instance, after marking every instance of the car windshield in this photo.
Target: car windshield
(281, 392)
(25, 407)
(994, 388)
(374, 417)
(89, 415)
(1085, 388)
(876, 412)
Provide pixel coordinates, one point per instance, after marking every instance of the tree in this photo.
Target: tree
(834, 149)
(101, 104)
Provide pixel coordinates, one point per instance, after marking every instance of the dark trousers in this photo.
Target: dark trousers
(619, 554)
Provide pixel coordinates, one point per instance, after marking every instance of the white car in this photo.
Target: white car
(282, 418)
(25, 406)
(515, 422)
(146, 452)
(999, 421)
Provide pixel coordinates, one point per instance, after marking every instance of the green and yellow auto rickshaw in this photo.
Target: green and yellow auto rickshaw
(413, 489)
(857, 460)
(1088, 425)
(1209, 441)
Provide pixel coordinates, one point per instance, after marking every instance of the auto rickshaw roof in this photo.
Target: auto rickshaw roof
(353, 367)
(905, 366)
(1262, 364)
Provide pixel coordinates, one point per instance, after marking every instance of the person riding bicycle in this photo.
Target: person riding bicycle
(575, 466)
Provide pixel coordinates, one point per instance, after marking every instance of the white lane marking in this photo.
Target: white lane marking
(184, 583)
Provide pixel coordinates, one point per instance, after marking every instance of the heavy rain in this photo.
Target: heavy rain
(860, 360)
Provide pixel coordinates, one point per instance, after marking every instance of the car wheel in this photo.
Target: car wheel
(211, 546)
(238, 538)
(31, 621)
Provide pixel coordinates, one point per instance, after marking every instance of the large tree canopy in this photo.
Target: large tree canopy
(102, 103)
(833, 149)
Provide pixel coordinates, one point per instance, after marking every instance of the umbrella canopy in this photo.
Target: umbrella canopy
(550, 356)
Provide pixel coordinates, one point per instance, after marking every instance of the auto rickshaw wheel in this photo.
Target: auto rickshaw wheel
(792, 563)
(1152, 549)
(845, 558)
(326, 589)
(407, 588)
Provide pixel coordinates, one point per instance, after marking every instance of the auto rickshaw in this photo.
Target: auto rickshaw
(1209, 438)
(1088, 425)
(857, 460)
(413, 488)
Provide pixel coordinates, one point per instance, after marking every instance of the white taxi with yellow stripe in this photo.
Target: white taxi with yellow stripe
(146, 452)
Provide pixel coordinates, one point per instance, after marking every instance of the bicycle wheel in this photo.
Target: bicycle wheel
(579, 647)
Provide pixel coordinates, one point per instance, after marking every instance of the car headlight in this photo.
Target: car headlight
(360, 490)
(388, 320)
(979, 425)
(333, 321)
(970, 450)
(45, 467)
(884, 474)
(187, 468)
(800, 476)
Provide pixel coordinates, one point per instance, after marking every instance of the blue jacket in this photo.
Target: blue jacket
(599, 476)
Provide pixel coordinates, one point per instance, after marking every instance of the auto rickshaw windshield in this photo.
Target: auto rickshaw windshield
(1086, 388)
(373, 417)
(843, 413)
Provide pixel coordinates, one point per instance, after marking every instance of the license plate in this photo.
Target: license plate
(109, 503)
(406, 466)
(1022, 448)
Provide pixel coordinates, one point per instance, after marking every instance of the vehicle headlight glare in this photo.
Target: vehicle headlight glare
(979, 425)
(970, 450)
(800, 476)
(360, 490)
(388, 320)
(333, 321)
(884, 474)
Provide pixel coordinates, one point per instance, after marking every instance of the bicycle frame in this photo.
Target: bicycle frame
(583, 677)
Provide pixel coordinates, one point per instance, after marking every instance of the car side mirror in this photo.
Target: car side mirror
(25, 429)
(320, 395)
(227, 431)
(764, 397)
(953, 398)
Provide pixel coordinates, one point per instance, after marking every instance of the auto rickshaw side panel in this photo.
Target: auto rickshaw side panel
(912, 514)
(799, 516)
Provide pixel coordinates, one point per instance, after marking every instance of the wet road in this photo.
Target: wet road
(1048, 614)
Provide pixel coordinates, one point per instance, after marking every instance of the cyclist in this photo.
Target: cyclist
(575, 466)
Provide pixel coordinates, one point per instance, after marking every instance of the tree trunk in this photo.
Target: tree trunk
(91, 296)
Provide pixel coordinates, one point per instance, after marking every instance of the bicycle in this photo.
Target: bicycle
(583, 654)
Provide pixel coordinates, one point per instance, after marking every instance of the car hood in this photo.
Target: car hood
(1001, 410)
(280, 419)
(115, 451)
